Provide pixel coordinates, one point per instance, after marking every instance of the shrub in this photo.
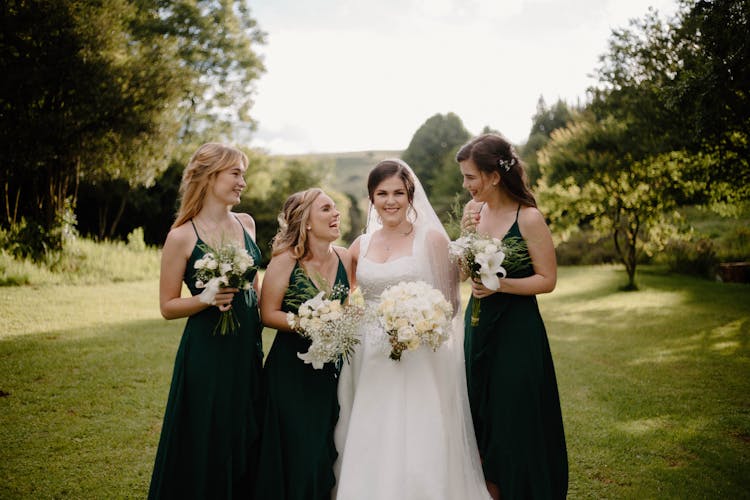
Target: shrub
(688, 256)
(734, 245)
(582, 248)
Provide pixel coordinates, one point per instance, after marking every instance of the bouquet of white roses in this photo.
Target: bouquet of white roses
(487, 259)
(330, 324)
(412, 314)
(229, 265)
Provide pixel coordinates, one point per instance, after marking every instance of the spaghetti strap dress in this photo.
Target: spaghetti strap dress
(513, 395)
(210, 436)
(301, 411)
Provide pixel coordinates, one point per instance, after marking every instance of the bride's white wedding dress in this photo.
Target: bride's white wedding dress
(404, 430)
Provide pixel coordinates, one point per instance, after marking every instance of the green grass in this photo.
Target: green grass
(84, 261)
(654, 386)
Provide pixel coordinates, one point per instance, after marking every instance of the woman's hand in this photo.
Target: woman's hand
(224, 297)
(479, 291)
(472, 214)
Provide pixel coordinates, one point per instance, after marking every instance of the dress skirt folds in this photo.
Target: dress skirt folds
(301, 411)
(211, 432)
(513, 396)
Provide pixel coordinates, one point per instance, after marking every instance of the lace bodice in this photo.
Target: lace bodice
(374, 277)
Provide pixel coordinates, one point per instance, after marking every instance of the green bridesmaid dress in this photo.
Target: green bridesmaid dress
(301, 410)
(513, 395)
(211, 432)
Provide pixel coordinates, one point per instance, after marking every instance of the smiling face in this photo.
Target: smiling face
(391, 200)
(479, 184)
(228, 184)
(324, 219)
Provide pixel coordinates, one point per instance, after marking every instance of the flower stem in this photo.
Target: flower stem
(476, 305)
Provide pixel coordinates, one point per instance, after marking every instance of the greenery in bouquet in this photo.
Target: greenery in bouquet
(328, 319)
(226, 266)
(487, 259)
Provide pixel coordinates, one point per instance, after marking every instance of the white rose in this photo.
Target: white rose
(405, 334)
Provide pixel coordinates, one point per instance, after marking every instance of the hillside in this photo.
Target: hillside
(349, 170)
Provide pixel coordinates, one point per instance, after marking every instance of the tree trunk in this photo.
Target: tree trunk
(626, 250)
(118, 215)
(102, 229)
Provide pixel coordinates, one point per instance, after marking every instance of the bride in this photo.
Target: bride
(405, 428)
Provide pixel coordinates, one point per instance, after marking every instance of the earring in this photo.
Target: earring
(308, 227)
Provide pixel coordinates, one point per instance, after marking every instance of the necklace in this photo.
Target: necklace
(387, 244)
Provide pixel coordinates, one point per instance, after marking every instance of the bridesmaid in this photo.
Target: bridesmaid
(301, 408)
(511, 378)
(210, 436)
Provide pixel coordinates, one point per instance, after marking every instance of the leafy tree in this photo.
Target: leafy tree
(78, 97)
(96, 93)
(544, 122)
(682, 85)
(447, 187)
(428, 148)
(590, 177)
(216, 42)
(270, 182)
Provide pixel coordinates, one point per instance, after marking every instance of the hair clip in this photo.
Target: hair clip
(506, 164)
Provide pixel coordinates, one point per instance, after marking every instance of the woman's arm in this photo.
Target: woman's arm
(354, 256)
(346, 260)
(469, 222)
(275, 283)
(249, 224)
(174, 257)
(542, 252)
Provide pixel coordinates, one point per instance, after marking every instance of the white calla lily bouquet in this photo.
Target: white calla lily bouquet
(414, 313)
(330, 323)
(227, 266)
(488, 260)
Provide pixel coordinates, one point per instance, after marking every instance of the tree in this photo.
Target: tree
(590, 177)
(435, 139)
(96, 92)
(272, 181)
(80, 97)
(683, 85)
(544, 122)
(216, 42)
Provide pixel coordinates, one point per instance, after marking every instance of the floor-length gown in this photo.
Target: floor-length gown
(404, 431)
(513, 395)
(301, 410)
(211, 431)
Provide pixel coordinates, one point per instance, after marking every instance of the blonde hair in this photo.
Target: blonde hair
(210, 159)
(292, 233)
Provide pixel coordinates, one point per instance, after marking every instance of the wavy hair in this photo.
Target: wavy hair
(210, 159)
(292, 233)
(493, 153)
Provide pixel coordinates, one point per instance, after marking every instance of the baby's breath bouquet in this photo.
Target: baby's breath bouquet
(330, 323)
(487, 259)
(414, 313)
(228, 265)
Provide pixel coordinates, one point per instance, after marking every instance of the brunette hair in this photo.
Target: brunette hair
(493, 153)
(210, 159)
(387, 169)
(292, 233)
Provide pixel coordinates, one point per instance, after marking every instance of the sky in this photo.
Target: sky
(356, 75)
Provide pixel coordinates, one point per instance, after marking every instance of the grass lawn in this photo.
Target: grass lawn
(655, 386)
